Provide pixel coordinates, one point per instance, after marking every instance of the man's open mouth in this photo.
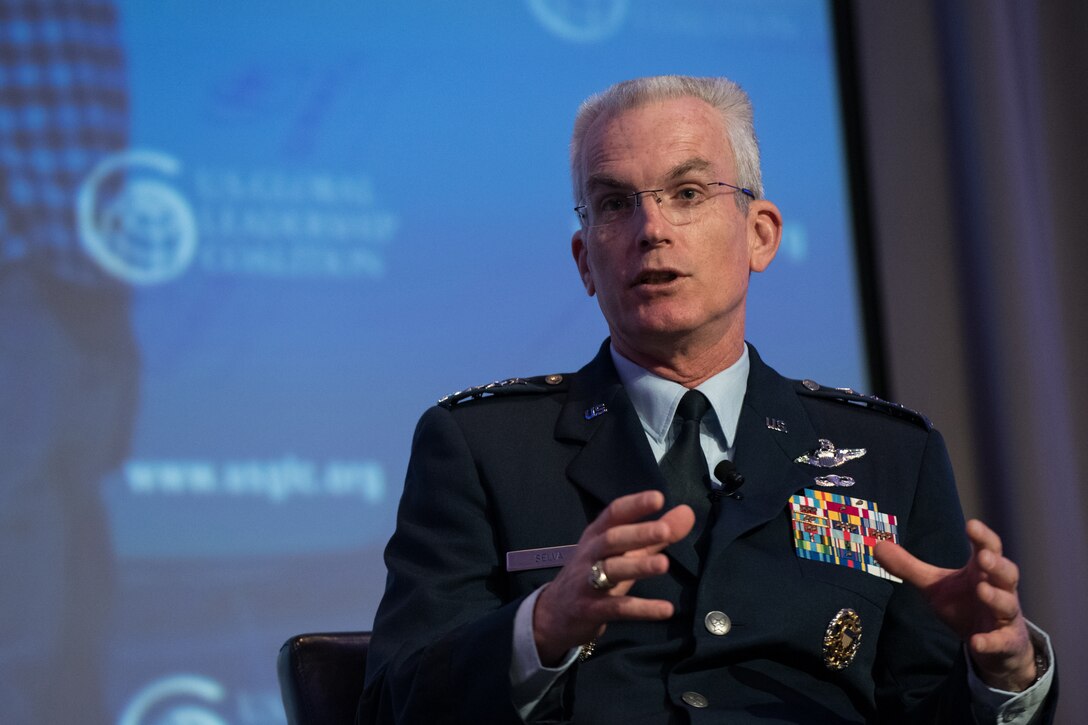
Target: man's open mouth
(656, 277)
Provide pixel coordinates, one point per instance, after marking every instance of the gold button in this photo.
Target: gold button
(553, 379)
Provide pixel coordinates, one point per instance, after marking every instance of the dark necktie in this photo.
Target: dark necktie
(684, 465)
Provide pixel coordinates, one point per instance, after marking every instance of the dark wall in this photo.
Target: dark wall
(974, 116)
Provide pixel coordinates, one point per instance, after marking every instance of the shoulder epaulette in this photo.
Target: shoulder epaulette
(510, 386)
(849, 395)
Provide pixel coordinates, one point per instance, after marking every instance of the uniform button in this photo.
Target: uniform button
(694, 699)
(717, 623)
(811, 385)
(553, 379)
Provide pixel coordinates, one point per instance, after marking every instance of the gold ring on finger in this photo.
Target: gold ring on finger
(598, 579)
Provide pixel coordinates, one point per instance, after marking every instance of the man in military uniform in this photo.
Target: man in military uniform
(563, 552)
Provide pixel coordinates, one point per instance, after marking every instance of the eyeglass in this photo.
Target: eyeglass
(681, 204)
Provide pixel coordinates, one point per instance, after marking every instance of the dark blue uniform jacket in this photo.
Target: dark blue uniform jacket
(524, 467)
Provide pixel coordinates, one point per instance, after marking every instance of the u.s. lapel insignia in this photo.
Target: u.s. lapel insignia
(776, 425)
(833, 480)
(598, 409)
(842, 639)
(827, 456)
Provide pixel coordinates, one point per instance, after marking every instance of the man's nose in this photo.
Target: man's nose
(653, 228)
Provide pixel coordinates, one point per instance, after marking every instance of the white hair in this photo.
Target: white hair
(728, 98)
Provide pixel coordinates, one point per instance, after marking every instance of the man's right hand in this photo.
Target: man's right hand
(570, 611)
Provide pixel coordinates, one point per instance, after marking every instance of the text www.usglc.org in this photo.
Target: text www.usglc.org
(276, 480)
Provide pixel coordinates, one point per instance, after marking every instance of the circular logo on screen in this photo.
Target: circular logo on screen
(581, 21)
(134, 224)
(175, 700)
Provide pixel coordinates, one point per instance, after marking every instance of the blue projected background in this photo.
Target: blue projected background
(331, 214)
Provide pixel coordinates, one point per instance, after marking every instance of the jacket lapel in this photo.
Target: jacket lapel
(615, 458)
(765, 457)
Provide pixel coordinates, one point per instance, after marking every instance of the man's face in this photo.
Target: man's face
(658, 284)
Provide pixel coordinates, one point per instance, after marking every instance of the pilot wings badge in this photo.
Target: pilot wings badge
(827, 456)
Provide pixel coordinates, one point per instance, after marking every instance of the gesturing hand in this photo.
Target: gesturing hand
(979, 602)
(570, 611)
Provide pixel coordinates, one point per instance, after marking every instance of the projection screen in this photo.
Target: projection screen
(244, 245)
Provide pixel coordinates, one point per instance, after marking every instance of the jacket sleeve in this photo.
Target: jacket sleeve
(916, 648)
(442, 638)
(915, 645)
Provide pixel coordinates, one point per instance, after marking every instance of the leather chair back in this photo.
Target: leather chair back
(321, 677)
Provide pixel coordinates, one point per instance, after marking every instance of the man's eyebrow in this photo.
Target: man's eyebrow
(611, 182)
(683, 169)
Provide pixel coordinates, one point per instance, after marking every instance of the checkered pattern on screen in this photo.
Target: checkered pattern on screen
(63, 107)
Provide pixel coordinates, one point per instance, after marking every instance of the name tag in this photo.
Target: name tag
(545, 558)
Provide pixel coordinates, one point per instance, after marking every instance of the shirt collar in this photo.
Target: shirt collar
(655, 398)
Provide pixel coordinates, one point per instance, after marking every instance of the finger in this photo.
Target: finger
(630, 538)
(627, 568)
(644, 537)
(1004, 606)
(1004, 657)
(610, 609)
(999, 642)
(681, 520)
(900, 562)
(1000, 572)
(983, 537)
(627, 509)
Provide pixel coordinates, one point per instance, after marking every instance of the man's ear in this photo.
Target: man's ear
(764, 233)
(581, 258)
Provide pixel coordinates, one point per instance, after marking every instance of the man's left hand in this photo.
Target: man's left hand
(979, 602)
